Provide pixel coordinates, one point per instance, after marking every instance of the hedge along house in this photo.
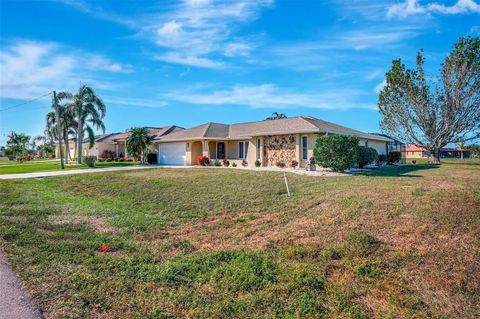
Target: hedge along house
(115, 142)
(269, 141)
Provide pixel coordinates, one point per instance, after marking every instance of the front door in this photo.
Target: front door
(220, 150)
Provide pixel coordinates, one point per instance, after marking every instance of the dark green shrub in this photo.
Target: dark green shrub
(258, 163)
(234, 165)
(394, 157)
(366, 155)
(89, 160)
(337, 152)
(152, 158)
(217, 163)
(382, 159)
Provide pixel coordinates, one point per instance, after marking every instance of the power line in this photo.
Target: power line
(26, 102)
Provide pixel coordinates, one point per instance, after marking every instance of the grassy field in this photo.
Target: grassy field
(29, 167)
(223, 243)
(458, 161)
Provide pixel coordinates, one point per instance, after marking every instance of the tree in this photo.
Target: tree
(276, 116)
(474, 150)
(138, 142)
(67, 121)
(428, 117)
(17, 144)
(88, 108)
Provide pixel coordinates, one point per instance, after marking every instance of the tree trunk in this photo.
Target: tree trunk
(67, 147)
(435, 156)
(79, 137)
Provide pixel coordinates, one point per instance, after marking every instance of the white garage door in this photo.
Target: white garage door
(171, 154)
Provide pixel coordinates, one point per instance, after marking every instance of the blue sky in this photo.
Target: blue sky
(188, 62)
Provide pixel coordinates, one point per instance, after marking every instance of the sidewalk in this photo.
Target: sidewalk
(73, 172)
(14, 302)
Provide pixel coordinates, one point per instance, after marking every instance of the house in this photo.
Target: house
(269, 141)
(114, 142)
(413, 151)
(394, 146)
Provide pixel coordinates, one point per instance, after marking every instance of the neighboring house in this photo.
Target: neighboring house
(115, 142)
(413, 151)
(269, 141)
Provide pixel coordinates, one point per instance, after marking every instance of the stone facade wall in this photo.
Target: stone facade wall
(279, 148)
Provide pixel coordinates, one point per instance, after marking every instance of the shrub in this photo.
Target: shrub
(226, 163)
(217, 163)
(234, 165)
(258, 163)
(203, 160)
(244, 163)
(89, 160)
(337, 152)
(106, 154)
(382, 159)
(121, 159)
(366, 155)
(294, 163)
(394, 157)
(414, 162)
(280, 164)
(152, 158)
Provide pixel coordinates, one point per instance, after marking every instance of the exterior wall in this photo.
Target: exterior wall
(416, 154)
(279, 148)
(380, 146)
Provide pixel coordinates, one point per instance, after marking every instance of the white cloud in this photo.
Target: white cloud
(196, 30)
(271, 96)
(98, 62)
(413, 7)
(125, 101)
(29, 69)
(190, 60)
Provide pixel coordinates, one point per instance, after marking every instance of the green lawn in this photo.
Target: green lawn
(225, 243)
(468, 161)
(29, 167)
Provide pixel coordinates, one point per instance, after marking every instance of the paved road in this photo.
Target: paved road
(72, 172)
(14, 302)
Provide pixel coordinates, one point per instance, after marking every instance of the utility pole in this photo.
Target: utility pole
(59, 130)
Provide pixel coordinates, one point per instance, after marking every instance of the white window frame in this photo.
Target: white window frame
(243, 146)
(304, 146)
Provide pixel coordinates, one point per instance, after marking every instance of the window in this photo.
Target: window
(242, 149)
(258, 148)
(304, 148)
(366, 143)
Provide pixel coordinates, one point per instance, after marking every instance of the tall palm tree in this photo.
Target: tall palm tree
(89, 109)
(139, 142)
(276, 116)
(67, 121)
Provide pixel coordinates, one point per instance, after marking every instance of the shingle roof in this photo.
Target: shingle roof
(113, 137)
(301, 124)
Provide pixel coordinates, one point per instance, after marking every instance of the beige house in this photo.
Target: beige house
(269, 141)
(114, 142)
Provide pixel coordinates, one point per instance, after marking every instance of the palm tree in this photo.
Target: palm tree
(276, 116)
(139, 142)
(67, 121)
(88, 108)
(18, 143)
